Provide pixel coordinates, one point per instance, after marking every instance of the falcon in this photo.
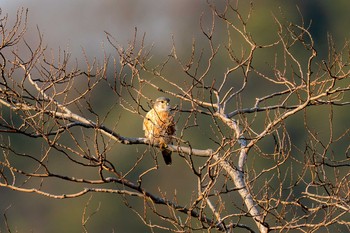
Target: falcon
(159, 126)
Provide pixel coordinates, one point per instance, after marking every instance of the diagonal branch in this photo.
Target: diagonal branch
(237, 175)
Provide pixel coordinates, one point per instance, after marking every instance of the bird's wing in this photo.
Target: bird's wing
(171, 126)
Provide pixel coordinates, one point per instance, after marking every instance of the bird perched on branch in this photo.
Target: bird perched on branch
(159, 126)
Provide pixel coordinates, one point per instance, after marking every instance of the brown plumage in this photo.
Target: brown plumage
(159, 126)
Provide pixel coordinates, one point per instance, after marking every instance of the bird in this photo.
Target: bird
(159, 127)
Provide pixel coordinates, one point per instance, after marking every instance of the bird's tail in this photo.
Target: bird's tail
(166, 156)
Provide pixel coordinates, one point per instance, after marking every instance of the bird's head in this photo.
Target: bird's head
(162, 104)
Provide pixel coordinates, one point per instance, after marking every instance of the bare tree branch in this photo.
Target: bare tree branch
(252, 157)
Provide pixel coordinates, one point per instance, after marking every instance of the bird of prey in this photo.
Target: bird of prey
(159, 126)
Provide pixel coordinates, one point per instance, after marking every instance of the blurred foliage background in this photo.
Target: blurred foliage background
(78, 27)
